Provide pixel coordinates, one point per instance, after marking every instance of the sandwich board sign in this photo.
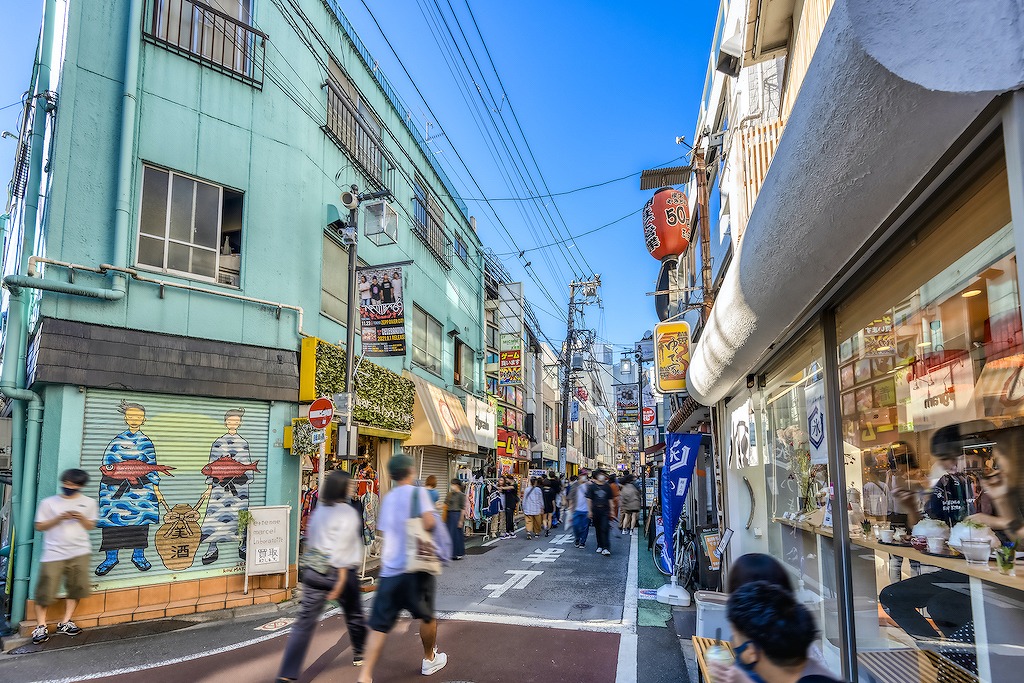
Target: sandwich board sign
(267, 542)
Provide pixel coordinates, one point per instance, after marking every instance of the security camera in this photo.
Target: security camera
(349, 200)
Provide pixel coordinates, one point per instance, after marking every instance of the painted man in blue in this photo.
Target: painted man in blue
(228, 496)
(129, 501)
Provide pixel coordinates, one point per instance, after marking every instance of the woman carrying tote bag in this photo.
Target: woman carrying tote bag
(334, 548)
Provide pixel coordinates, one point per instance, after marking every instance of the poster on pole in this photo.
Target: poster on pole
(382, 310)
(672, 355)
(510, 360)
(677, 472)
(627, 403)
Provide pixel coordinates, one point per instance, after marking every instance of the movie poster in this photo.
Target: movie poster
(381, 311)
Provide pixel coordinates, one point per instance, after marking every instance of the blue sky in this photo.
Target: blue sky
(600, 88)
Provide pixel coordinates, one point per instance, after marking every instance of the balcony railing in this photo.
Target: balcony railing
(203, 34)
(346, 128)
(439, 244)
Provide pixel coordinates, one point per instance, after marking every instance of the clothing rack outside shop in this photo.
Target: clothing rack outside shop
(369, 518)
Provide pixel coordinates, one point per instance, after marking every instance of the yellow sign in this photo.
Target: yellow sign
(671, 355)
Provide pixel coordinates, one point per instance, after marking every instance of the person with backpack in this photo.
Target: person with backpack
(334, 550)
(629, 505)
(579, 505)
(771, 636)
(549, 494)
(600, 499)
(398, 587)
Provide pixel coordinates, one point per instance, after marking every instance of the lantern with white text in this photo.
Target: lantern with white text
(666, 223)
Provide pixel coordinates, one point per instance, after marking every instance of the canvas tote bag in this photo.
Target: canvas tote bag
(422, 551)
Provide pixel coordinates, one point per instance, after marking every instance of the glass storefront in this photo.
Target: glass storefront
(928, 384)
(930, 359)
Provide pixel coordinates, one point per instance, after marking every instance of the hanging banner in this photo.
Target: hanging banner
(815, 398)
(672, 355)
(677, 472)
(382, 311)
(510, 360)
(627, 404)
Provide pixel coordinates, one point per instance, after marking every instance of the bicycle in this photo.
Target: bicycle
(685, 553)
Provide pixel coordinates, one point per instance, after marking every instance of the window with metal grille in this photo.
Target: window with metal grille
(189, 226)
(216, 33)
(354, 127)
(428, 223)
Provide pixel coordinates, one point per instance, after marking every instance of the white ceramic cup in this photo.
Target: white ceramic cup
(936, 544)
(885, 535)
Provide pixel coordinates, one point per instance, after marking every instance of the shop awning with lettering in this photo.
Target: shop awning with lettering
(439, 419)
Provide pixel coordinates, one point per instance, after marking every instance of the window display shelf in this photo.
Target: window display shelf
(804, 526)
(956, 564)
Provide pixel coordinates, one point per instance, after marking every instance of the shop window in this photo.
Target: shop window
(931, 357)
(426, 341)
(189, 227)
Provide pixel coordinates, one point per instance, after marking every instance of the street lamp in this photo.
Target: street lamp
(626, 366)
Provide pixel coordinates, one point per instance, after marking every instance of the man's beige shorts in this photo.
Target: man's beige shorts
(75, 573)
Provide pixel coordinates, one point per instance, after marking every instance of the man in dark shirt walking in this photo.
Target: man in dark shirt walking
(599, 502)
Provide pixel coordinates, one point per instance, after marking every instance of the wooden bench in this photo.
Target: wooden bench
(923, 666)
(700, 648)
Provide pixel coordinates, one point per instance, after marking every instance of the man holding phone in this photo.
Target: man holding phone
(65, 521)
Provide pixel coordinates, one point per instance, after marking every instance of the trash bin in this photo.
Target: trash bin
(711, 614)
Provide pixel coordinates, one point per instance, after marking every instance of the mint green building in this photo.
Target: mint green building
(175, 234)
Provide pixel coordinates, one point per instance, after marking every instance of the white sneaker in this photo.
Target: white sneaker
(432, 666)
(606, 552)
(600, 550)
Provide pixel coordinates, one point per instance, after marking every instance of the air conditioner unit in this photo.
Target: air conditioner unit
(5, 461)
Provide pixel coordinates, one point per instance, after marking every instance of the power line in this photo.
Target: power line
(575, 237)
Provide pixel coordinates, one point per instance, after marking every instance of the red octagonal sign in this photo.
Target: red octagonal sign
(649, 415)
(320, 413)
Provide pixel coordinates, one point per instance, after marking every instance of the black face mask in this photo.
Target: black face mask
(748, 668)
(68, 492)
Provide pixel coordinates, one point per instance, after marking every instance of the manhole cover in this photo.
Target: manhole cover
(582, 605)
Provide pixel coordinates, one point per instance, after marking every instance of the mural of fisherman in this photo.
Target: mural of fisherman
(228, 475)
(129, 492)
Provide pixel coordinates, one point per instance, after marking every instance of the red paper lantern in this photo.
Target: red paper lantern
(666, 223)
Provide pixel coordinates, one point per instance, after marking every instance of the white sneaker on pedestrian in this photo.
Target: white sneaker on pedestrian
(432, 666)
(600, 550)
(606, 552)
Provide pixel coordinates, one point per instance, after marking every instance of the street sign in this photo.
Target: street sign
(318, 437)
(649, 415)
(320, 413)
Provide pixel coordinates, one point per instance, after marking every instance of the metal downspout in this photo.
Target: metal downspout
(13, 374)
(126, 150)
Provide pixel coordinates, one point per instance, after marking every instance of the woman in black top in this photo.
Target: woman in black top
(547, 489)
(511, 494)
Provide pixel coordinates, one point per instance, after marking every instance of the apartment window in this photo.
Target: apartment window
(463, 365)
(549, 424)
(334, 280)
(216, 33)
(461, 250)
(354, 127)
(428, 222)
(426, 341)
(190, 227)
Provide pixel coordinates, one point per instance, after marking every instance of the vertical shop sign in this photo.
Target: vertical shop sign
(815, 397)
(627, 403)
(510, 360)
(677, 472)
(382, 311)
(574, 413)
(672, 355)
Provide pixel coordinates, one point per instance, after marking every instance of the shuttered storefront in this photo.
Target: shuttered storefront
(192, 533)
(432, 460)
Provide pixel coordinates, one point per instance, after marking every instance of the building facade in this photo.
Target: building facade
(865, 337)
(179, 291)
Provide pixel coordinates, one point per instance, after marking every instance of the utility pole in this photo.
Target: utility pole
(589, 295)
(703, 201)
(641, 455)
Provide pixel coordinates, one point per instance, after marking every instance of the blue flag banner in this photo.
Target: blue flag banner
(677, 472)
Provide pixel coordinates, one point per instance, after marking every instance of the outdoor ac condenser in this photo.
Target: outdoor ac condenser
(5, 444)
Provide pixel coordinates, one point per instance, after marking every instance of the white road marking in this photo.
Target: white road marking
(626, 671)
(521, 578)
(597, 626)
(549, 555)
(564, 539)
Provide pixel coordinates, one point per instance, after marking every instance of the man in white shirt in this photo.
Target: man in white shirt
(398, 589)
(580, 506)
(65, 521)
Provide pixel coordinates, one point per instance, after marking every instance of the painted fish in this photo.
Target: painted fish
(227, 467)
(133, 470)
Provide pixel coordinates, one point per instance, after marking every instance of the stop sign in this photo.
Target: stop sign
(320, 413)
(649, 414)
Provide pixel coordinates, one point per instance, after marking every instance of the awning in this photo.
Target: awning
(367, 430)
(881, 104)
(439, 419)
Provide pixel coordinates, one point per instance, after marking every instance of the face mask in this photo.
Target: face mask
(68, 492)
(748, 668)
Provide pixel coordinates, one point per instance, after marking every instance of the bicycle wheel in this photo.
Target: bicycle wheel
(688, 564)
(659, 557)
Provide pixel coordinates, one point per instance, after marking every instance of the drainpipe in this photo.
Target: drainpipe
(28, 406)
(126, 151)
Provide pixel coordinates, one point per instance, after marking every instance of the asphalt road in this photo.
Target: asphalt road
(513, 611)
